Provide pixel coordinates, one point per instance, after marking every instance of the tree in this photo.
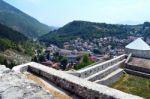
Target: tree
(64, 62)
(41, 58)
(48, 56)
(35, 59)
(85, 61)
(39, 51)
(5, 62)
(56, 56)
(96, 51)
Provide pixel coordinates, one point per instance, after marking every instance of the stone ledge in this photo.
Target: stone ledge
(78, 86)
(98, 67)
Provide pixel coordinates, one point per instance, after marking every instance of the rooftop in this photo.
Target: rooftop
(138, 44)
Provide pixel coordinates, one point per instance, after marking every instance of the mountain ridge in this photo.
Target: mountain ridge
(21, 22)
(90, 30)
(8, 33)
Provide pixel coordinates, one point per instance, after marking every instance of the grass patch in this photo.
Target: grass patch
(133, 85)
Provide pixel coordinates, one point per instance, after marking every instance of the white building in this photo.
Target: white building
(138, 48)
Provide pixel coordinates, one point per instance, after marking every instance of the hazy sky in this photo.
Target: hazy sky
(60, 12)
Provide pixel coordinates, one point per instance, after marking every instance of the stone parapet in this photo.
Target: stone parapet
(98, 67)
(83, 88)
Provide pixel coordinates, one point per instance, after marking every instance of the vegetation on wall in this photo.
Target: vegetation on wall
(85, 61)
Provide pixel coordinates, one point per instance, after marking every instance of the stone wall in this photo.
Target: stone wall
(21, 68)
(98, 67)
(105, 72)
(137, 73)
(83, 88)
(111, 79)
(136, 68)
(139, 53)
(128, 58)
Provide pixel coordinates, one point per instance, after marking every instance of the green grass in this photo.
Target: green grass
(134, 85)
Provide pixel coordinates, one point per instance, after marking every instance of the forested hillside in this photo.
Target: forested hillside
(21, 22)
(13, 35)
(9, 38)
(90, 30)
(15, 48)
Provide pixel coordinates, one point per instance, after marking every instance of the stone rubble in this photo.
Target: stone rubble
(16, 86)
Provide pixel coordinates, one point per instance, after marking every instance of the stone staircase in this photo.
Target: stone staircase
(107, 75)
(111, 77)
(103, 73)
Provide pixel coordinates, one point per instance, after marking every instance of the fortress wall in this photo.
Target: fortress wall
(128, 58)
(137, 68)
(105, 73)
(98, 67)
(21, 68)
(83, 88)
(139, 53)
(137, 73)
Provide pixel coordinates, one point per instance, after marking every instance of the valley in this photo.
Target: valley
(81, 59)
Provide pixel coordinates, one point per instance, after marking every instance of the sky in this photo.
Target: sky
(60, 12)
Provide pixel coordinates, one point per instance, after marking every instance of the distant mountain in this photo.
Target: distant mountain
(21, 22)
(10, 38)
(90, 30)
(128, 22)
(13, 49)
(85, 30)
(8, 33)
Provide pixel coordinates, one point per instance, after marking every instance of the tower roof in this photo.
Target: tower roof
(138, 44)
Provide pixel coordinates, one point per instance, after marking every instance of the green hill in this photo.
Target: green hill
(85, 30)
(10, 38)
(10, 34)
(21, 22)
(15, 48)
(90, 30)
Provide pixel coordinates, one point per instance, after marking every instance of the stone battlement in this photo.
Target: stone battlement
(86, 72)
(83, 88)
